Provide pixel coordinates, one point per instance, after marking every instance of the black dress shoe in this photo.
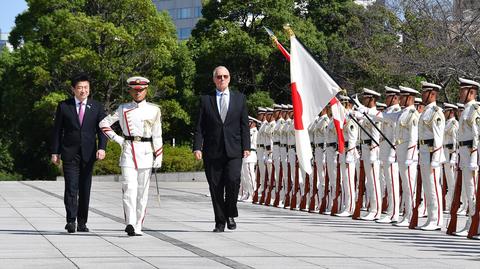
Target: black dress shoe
(83, 228)
(70, 227)
(219, 229)
(130, 230)
(231, 225)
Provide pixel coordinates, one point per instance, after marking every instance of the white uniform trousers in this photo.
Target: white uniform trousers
(449, 171)
(469, 178)
(248, 179)
(284, 163)
(393, 192)
(348, 186)
(319, 162)
(276, 163)
(433, 194)
(135, 195)
(261, 169)
(331, 163)
(372, 172)
(408, 176)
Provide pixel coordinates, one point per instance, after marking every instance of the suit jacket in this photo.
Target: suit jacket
(215, 138)
(69, 137)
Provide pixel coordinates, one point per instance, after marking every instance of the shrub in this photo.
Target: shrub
(175, 159)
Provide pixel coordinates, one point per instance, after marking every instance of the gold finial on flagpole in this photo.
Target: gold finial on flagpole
(288, 30)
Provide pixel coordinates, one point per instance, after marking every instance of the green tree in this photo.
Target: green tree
(110, 40)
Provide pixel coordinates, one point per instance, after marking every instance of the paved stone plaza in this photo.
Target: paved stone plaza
(178, 235)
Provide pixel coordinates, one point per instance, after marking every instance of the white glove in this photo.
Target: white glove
(158, 162)
(453, 159)
(119, 140)
(473, 166)
(435, 164)
(349, 158)
(409, 162)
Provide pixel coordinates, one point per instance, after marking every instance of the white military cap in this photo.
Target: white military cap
(261, 109)
(427, 86)
(468, 83)
(290, 107)
(284, 107)
(269, 110)
(277, 107)
(391, 91)
(449, 106)
(138, 83)
(368, 92)
(408, 91)
(460, 106)
(418, 100)
(381, 104)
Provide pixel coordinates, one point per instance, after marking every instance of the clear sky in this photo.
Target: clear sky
(9, 9)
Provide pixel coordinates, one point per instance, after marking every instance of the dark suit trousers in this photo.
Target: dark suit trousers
(223, 176)
(78, 181)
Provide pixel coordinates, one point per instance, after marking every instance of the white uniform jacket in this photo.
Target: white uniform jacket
(137, 120)
(430, 134)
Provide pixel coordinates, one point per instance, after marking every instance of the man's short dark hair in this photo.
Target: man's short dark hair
(79, 77)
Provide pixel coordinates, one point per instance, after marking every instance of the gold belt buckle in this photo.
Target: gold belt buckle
(422, 142)
(137, 138)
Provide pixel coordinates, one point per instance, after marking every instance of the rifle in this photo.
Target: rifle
(473, 231)
(373, 123)
(337, 191)
(289, 186)
(418, 200)
(452, 226)
(361, 192)
(312, 204)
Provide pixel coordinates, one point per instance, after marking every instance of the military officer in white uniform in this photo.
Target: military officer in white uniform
(468, 139)
(370, 156)
(283, 154)
(319, 133)
(248, 164)
(388, 156)
(348, 160)
(261, 151)
(450, 151)
(430, 134)
(331, 160)
(269, 155)
(406, 139)
(277, 156)
(142, 150)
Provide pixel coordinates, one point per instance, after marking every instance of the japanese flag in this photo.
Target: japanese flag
(312, 89)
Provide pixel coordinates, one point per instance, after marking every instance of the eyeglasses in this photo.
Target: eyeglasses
(219, 77)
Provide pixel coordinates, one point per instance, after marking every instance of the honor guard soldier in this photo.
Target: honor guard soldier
(348, 160)
(261, 151)
(370, 156)
(276, 156)
(331, 160)
(319, 133)
(283, 155)
(268, 135)
(430, 134)
(292, 160)
(248, 173)
(468, 139)
(463, 207)
(406, 139)
(142, 150)
(450, 151)
(388, 156)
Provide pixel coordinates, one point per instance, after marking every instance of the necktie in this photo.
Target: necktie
(223, 106)
(81, 112)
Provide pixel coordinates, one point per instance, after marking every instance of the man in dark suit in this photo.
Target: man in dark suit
(74, 141)
(222, 138)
